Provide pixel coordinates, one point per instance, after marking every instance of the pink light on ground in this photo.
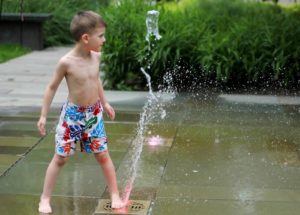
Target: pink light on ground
(121, 210)
(155, 140)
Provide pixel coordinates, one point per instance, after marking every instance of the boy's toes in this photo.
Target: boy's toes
(45, 208)
(117, 204)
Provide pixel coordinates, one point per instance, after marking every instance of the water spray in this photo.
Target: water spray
(146, 116)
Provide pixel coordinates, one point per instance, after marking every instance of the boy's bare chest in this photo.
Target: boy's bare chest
(82, 72)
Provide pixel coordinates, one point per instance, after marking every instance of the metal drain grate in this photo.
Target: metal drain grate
(135, 207)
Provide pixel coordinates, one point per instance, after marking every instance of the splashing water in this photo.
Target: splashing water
(150, 109)
(148, 77)
(137, 144)
(152, 25)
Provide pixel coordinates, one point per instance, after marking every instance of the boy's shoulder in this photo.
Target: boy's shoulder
(65, 60)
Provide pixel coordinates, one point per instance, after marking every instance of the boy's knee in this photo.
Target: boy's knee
(59, 160)
(102, 157)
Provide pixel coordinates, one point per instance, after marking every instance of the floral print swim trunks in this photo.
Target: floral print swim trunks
(83, 125)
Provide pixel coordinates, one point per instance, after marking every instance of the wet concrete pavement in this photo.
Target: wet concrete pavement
(219, 154)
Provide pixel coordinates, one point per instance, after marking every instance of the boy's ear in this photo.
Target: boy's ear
(85, 38)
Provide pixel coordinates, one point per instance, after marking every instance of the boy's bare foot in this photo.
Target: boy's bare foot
(44, 206)
(116, 202)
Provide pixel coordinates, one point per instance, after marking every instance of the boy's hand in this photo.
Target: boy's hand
(109, 111)
(41, 126)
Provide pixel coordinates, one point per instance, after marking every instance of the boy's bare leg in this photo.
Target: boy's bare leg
(52, 173)
(108, 168)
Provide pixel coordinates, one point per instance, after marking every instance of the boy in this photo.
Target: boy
(81, 116)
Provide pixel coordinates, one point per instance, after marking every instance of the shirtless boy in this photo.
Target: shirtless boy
(81, 121)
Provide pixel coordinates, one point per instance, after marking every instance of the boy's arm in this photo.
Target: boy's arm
(106, 106)
(49, 95)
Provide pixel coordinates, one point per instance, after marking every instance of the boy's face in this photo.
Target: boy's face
(96, 40)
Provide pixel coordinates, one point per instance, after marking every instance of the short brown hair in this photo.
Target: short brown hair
(85, 22)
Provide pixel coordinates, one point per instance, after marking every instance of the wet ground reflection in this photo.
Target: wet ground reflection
(216, 154)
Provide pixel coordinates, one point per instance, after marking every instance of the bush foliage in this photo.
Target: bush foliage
(225, 43)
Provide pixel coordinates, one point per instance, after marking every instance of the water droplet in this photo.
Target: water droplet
(163, 114)
(217, 140)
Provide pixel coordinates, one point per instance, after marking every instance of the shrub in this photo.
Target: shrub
(224, 43)
(228, 43)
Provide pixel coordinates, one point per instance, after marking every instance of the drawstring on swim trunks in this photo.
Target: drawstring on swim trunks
(89, 108)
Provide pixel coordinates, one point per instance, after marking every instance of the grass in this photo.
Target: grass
(9, 51)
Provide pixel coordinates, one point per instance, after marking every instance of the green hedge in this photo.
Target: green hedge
(226, 43)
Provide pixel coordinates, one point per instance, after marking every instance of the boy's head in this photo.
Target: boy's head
(85, 22)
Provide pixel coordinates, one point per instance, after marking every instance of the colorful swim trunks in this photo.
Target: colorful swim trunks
(84, 125)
